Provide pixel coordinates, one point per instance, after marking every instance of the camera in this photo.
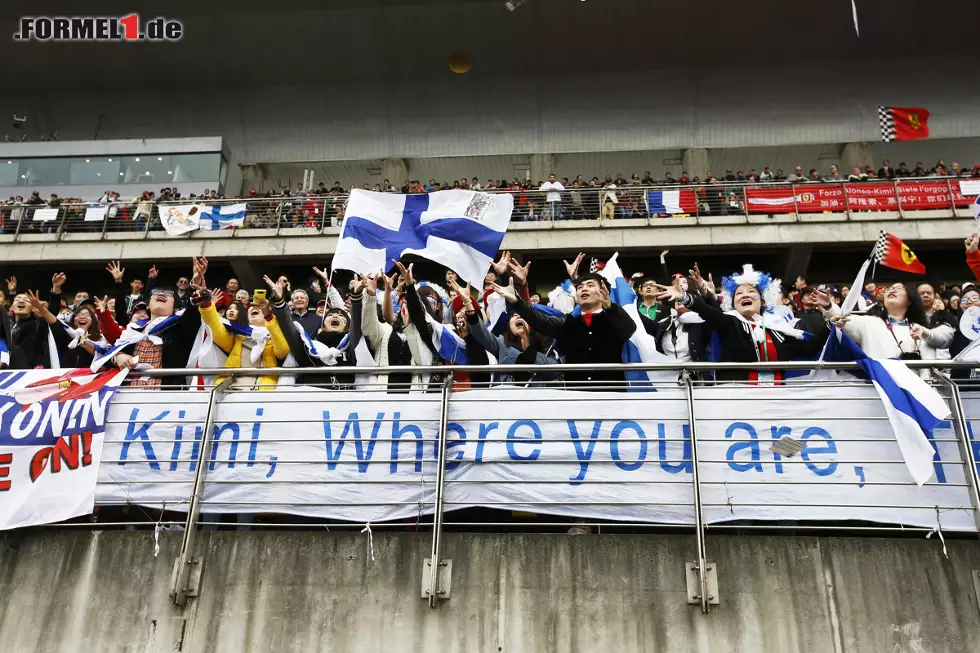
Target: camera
(910, 356)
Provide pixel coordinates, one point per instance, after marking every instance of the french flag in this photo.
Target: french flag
(680, 200)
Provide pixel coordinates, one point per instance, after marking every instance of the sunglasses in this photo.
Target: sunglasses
(162, 291)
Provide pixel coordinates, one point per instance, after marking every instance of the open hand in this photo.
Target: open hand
(507, 292)
(519, 272)
(116, 270)
(57, 281)
(405, 272)
(11, 285)
(101, 305)
(669, 293)
(275, 287)
(501, 266)
(572, 268)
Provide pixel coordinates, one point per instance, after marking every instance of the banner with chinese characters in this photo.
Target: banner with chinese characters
(872, 196)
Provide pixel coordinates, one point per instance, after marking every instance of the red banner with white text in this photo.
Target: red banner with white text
(874, 196)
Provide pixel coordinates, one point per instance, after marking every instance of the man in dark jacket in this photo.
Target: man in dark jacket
(597, 335)
(811, 315)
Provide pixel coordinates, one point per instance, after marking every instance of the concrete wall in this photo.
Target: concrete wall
(80, 592)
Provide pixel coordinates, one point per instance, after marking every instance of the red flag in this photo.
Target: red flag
(891, 252)
(903, 123)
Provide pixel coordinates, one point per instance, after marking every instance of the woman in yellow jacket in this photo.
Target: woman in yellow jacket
(265, 347)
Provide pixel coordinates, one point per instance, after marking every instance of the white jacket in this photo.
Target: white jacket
(377, 334)
(872, 334)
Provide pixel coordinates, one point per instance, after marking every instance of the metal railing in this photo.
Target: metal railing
(708, 477)
(323, 214)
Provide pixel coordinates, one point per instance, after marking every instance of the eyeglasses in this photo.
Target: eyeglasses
(163, 291)
(972, 299)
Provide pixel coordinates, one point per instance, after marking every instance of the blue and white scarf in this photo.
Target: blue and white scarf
(135, 332)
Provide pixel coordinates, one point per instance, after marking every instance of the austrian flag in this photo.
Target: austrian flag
(903, 123)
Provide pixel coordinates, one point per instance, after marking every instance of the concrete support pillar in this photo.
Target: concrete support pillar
(247, 272)
(394, 170)
(253, 178)
(696, 162)
(797, 262)
(855, 155)
(541, 166)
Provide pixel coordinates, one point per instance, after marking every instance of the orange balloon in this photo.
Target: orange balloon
(460, 63)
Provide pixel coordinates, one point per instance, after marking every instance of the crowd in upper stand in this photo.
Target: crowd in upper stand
(555, 198)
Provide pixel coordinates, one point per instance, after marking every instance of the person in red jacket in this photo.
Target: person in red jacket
(972, 242)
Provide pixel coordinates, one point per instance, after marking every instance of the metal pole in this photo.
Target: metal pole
(440, 493)
(64, 220)
(796, 202)
(966, 447)
(847, 200)
(898, 200)
(180, 591)
(952, 196)
(698, 515)
(105, 219)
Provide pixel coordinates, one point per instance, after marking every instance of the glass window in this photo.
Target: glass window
(44, 172)
(9, 173)
(94, 171)
(196, 167)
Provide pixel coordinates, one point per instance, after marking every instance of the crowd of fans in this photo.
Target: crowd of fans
(146, 322)
(320, 206)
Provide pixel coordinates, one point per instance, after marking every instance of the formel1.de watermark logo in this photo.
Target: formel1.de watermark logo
(98, 28)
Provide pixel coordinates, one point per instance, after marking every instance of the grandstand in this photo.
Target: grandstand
(749, 504)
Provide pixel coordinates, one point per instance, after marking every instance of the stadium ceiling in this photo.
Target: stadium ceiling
(260, 43)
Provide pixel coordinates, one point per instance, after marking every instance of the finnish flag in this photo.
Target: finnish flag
(222, 217)
(460, 229)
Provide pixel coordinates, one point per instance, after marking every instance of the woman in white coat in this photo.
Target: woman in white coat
(893, 329)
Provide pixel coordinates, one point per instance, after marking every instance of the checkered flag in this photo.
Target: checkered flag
(594, 265)
(878, 253)
(886, 120)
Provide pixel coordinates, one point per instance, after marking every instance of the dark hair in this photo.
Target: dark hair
(915, 314)
(591, 276)
(242, 317)
(435, 312)
(94, 332)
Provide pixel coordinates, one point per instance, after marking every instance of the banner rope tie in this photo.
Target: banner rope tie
(367, 529)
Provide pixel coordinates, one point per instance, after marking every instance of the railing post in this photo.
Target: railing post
(149, 219)
(847, 200)
(952, 196)
(181, 588)
(898, 199)
(19, 222)
(702, 558)
(796, 202)
(433, 592)
(105, 219)
(963, 437)
(64, 221)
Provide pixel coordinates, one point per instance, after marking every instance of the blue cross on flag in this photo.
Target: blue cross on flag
(460, 229)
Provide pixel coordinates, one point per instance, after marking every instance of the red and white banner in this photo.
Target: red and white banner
(52, 423)
(874, 196)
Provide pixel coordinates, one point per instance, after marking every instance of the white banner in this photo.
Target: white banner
(95, 213)
(45, 215)
(52, 424)
(608, 456)
(179, 219)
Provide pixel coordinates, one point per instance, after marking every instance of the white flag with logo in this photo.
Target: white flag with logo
(178, 219)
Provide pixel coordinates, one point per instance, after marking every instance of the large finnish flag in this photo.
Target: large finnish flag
(914, 408)
(460, 229)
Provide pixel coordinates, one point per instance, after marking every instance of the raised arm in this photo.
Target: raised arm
(206, 311)
(540, 322)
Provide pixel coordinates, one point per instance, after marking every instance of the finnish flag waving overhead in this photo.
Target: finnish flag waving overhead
(460, 229)
(914, 408)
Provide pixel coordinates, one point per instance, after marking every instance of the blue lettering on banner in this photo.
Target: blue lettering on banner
(974, 443)
(252, 448)
(829, 448)
(778, 432)
(614, 446)
(485, 430)
(675, 468)
(583, 456)
(453, 427)
(736, 447)
(231, 427)
(351, 425)
(512, 439)
(142, 434)
(396, 434)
